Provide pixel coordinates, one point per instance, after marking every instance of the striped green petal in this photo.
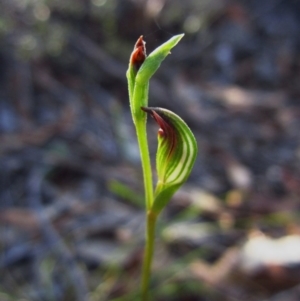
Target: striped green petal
(175, 157)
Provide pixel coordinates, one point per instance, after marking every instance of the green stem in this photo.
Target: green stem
(148, 253)
(140, 118)
(145, 158)
(151, 217)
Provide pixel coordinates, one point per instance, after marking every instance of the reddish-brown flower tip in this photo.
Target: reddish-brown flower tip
(140, 42)
(166, 129)
(138, 55)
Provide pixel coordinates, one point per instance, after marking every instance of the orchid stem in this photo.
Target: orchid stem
(151, 217)
(145, 158)
(148, 253)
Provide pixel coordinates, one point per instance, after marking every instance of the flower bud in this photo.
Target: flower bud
(176, 154)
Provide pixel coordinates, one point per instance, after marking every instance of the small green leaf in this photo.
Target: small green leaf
(155, 58)
(125, 192)
(175, 157)
(140, 70)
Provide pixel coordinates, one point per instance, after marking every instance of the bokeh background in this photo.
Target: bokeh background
(71, 192)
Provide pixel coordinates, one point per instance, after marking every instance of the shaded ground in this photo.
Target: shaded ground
(71, 218)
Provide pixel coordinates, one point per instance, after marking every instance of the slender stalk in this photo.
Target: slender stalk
(145, 158)
(140, 97)
(148, 253)
(151, 217)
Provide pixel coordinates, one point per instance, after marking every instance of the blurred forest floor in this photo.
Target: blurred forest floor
(71, 193)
